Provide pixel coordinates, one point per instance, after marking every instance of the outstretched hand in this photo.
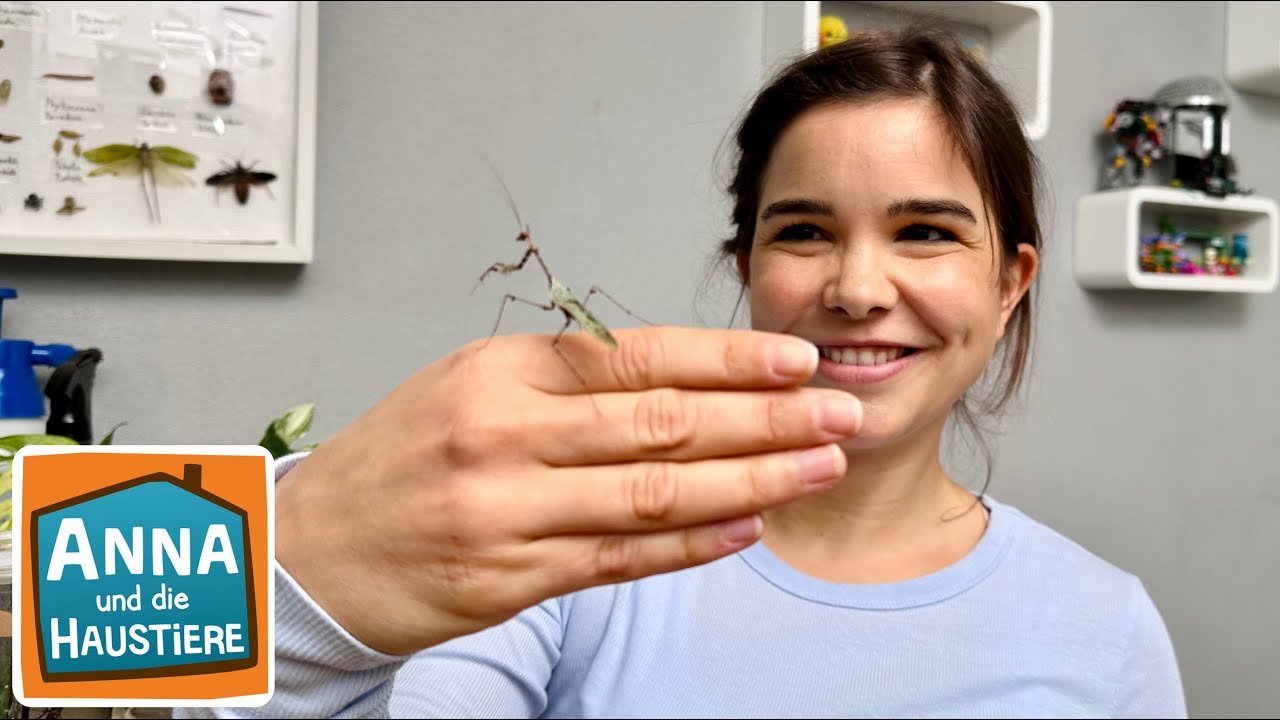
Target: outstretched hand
(489, 481)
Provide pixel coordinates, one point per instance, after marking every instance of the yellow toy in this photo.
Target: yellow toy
(831, 30)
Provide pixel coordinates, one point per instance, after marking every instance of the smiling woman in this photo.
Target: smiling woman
(749, 523)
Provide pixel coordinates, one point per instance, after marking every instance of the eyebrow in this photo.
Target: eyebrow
(798, 206)
(903, 206)
(931, 206)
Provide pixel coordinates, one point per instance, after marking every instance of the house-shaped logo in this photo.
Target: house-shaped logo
(141, 583)
(145, 576)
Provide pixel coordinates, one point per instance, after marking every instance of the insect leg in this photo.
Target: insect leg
(505, 268)
(555, 345)
(501, 308)
(595, 290)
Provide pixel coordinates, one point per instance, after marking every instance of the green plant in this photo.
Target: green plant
(278, 439)
(9, 446)
(288, 429)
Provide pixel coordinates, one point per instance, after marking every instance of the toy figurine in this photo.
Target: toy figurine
(831, 30)
(1167, 253)
(1136, 142)
(1239, 253)
(1199, 135)
(1215, 259)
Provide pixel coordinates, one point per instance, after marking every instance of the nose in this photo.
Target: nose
(860, 284)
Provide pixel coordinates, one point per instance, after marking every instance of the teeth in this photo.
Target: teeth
(865, 356)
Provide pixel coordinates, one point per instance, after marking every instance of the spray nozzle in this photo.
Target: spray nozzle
(68, 387)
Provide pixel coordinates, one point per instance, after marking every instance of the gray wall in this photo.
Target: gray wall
(1147, 435)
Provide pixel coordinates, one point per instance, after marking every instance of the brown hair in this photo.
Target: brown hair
(917, 62)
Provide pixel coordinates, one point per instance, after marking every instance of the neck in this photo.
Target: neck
(896, 515)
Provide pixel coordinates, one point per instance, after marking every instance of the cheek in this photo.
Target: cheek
(780, 291)
(959, 300)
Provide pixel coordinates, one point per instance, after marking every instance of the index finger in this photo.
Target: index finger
(682, 357)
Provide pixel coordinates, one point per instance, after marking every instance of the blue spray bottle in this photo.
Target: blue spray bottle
(23, 410)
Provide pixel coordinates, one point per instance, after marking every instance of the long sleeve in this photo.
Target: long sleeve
(1151, 686)
(323, 671)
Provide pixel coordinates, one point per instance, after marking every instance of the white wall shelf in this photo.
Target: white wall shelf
(1253, 47)
(1109, 227)
(1016, 34)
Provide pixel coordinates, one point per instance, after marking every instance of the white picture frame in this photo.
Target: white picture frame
(270, 49)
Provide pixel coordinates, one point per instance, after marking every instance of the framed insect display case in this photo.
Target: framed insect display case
(158, 130)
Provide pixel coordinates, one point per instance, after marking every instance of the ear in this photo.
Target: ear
(1018, 274)
(744, 267)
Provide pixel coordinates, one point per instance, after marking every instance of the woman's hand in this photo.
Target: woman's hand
(491, 480)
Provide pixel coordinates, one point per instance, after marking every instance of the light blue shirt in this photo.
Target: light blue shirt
(1028, 624)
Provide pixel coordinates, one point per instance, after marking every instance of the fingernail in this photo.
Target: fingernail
(840, 414)
(817, 466)
(794, 359)
(742, 531)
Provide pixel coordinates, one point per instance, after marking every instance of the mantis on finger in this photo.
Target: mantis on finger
(559, 296)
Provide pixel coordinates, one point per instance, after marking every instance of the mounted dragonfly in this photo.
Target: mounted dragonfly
(163, 165)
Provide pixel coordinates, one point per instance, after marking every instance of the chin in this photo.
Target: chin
(874, 438)
(881, 431)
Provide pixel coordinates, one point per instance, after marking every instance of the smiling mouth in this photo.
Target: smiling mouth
(864, 356)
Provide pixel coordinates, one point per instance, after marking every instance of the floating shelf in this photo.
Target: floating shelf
(1016, 36)
(1253, 47)
(1109, 226)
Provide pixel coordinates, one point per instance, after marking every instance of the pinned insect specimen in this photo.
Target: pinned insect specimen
(558, 295)
(157, 84)
(69, 207)
(221, 87)
(6, 87)
(70, 135)
(246, 11)
(9, 138)
(241, 178)
(33, 202)
(143, 161)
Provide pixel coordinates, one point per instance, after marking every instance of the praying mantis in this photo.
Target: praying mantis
(559, 296)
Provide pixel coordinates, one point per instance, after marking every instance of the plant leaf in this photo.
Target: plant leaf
(111, 435)
(295, 423)
(274, 445)
(10, 445)
(287, 429)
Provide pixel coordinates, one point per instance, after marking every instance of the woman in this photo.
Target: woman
(701, 535)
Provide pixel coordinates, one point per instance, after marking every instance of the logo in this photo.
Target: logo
(143, 576)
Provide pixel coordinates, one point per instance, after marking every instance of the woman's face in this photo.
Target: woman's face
(872, 241)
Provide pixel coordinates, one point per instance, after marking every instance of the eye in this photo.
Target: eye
(926, 233)
(798, 233)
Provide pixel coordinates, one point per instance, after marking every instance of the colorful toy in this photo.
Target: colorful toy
(1187, 119)
(1199, 135)
(1164, 253)
(1239, 253)
(1136, 142)
(1169, 251)
(831, 30)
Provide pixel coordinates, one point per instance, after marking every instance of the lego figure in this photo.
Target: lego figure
(1239, 253)
(1136, 142)
(1199, 135)
(1214, 260)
